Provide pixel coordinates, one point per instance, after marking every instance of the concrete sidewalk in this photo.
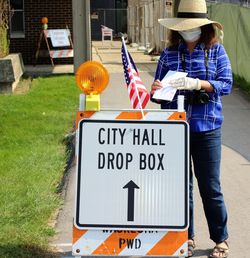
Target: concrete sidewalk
(235, 167)
(109, 55)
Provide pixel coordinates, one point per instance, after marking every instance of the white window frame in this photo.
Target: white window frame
(17, 34)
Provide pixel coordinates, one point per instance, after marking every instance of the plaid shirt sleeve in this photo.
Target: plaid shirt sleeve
(222, 84)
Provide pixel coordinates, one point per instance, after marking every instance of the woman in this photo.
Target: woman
(193, 48)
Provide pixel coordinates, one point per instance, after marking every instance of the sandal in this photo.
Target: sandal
(191, 247)
(221, 250)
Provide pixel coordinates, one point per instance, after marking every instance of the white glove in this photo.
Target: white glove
(185, 83)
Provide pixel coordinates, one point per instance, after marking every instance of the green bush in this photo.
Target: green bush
(4, 43)
(4, 20)
(241, 83)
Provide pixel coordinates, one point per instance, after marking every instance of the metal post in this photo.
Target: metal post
(82, 100)
(81, 32)
(104, 17)
(180, 103)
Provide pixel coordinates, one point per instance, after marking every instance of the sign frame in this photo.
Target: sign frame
(133, 227)
(54, 52)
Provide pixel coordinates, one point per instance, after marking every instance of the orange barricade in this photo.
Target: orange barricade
(137, 242)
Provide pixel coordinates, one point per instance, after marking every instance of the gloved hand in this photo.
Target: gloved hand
(185, 83)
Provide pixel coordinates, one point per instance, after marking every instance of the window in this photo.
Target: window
(17, 19)
(121, 3)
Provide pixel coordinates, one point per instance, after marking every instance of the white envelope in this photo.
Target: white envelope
(167, 92)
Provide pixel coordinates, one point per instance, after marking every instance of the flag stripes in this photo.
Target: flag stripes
(135, 88)
(137, 92)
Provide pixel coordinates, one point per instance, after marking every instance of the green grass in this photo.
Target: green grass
(32, 162)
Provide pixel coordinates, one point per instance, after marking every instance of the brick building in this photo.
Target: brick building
(25, 23)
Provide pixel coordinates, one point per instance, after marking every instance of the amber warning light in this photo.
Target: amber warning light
(92, 78)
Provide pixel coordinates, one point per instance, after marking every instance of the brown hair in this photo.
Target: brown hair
(208, 36)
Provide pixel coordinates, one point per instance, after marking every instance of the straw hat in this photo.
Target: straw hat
(191, 14)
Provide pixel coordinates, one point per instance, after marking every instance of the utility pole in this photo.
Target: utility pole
(81, 32)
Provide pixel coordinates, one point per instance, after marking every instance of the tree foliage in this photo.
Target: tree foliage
(4, 21)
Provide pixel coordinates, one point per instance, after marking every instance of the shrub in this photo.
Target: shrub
(241, 83)
(4, 14)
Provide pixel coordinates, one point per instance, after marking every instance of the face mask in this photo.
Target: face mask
(191, 35)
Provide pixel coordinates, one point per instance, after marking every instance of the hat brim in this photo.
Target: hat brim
(180, 24)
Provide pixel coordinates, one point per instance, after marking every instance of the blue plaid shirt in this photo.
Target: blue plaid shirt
(201, 117)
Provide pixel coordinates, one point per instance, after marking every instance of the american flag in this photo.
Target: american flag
(138, 94)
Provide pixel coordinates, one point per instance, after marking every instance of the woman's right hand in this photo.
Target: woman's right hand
(155, 86)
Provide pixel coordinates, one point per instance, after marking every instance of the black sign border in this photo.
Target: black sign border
(133, 227)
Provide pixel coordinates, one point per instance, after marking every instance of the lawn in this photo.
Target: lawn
(32, 162)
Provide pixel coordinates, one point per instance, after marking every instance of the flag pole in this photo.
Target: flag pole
(129, 63)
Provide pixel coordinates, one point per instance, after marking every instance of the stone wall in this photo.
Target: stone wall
(12, 69)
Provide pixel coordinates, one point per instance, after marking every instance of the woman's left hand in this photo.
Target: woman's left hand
(185, 83)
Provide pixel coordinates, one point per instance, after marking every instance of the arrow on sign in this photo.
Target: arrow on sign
(131, 198)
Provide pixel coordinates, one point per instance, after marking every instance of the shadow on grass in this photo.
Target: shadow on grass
(25, 251)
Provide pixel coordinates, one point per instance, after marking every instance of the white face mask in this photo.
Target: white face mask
(191, 35)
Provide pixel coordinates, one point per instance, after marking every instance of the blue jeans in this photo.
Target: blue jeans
(205, 149)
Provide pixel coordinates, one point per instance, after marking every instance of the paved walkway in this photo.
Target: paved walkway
(235, 165)
(109, 55)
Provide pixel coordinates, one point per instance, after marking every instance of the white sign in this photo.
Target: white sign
(132, 175)
(59, 38)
